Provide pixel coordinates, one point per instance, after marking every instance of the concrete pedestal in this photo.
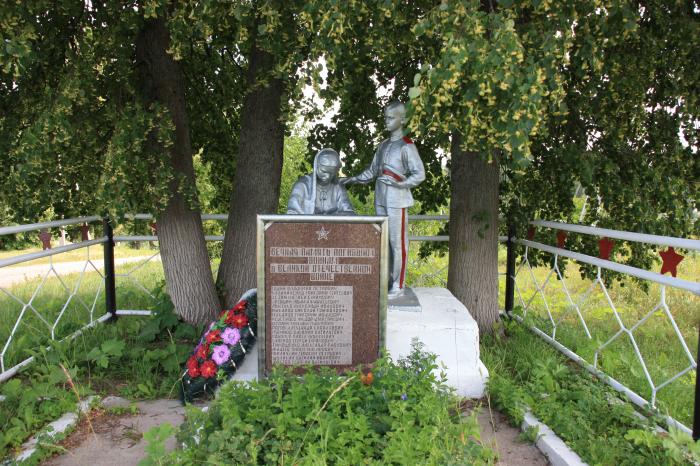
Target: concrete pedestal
(447, 329)
(443, 325)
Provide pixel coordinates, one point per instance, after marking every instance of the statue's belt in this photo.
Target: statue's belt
(395, 176)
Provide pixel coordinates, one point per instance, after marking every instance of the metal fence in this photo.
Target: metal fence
(575, 312)
(544, 316)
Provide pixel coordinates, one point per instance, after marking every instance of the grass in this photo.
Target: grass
(589, 416)
(51, 308)
(656, 339)
(134, 357)
(660, 347)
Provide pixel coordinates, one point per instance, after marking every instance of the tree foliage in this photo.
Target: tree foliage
(601, 94)
(562, 94)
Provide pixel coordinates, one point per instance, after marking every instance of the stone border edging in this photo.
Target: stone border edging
(557, 452)
(59, 426)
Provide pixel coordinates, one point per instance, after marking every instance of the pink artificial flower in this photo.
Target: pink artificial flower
(221, 354)
(231, 336)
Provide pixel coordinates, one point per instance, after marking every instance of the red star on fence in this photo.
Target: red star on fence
(561, 239)
(45, 237)
(671, 260)
(85, 232)
(154, 228)
(605, 246)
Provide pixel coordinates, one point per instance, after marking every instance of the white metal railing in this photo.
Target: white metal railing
(28, 306)
(550, 319)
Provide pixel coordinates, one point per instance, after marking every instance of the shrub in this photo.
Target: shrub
(395, 413)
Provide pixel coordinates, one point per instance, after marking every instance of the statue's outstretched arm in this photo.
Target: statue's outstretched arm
(369, 173)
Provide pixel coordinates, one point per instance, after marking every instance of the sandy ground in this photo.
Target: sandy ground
(499, 435)
(14, 275)
(118, 440)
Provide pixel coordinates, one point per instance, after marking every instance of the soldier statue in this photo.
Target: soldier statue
(320, 192)
(397, 167)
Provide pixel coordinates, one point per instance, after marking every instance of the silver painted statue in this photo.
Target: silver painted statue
(320, 193)
(397, 168)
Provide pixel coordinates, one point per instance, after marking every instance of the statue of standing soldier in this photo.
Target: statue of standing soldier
(397, 167)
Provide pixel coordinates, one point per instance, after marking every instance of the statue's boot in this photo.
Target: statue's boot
(395, 290)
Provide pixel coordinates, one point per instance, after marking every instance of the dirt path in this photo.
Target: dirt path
(499, 435)
(15, 275)
(118, 440)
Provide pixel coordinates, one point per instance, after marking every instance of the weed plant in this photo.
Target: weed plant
(399, 413)
(663, 353)
(525, 372)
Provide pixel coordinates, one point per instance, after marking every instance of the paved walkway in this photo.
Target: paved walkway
(14, 275)
(118, 441)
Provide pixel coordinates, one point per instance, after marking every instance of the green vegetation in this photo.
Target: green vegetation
(632, 302)
(588, 415)
(399, 413)
(51, 298)
(134, 357)
(656, 338)
(140, 357)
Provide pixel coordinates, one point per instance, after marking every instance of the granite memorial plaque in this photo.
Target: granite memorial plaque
(324, 300)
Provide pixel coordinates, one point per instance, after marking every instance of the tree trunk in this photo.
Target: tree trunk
(473, 268)
(183, 250)
(256, 185)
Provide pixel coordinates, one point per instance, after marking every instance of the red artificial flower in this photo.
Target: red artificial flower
(202, 352)
(240, 307)
(208, 369)
(192, 367)
(213, 336)
(367, 379)
(238, 321)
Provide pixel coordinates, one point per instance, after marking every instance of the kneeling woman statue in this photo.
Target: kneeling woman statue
(319, 193)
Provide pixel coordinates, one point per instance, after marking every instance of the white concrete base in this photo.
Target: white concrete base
(248, 369)
(557, 452)
(444, 326)
(447, 329)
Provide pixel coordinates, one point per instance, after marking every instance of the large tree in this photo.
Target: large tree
(117, 94)
(529, 97)
(95, 119)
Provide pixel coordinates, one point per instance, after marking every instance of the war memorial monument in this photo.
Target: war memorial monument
(331, 284)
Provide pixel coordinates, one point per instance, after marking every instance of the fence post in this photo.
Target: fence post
(510, 270)
(696, 415)
(110, 291)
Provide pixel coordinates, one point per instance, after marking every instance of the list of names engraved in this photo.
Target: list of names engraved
(311, 324)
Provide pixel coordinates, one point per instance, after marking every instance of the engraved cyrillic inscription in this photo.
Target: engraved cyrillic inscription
(311, 324)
